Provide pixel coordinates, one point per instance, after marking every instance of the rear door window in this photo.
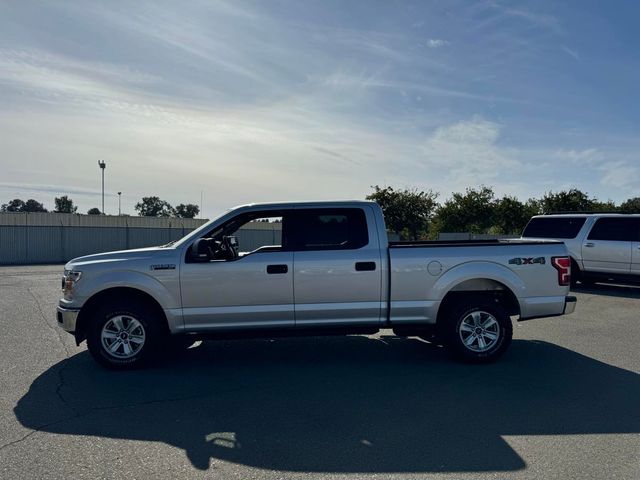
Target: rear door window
(554, 227)
(615, 229)
(330, 229)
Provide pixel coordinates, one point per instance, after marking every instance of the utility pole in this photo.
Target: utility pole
(119, 211)
(102, 165)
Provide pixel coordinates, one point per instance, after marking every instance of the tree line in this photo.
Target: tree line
(416, 214)
(410, 213)
(147, 207)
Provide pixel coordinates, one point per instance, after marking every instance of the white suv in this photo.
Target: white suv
(603, 246)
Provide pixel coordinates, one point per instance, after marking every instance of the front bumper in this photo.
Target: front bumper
(569, 304)
(67, 318)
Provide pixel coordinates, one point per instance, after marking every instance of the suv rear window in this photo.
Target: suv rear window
(553, 227)
(616, 229)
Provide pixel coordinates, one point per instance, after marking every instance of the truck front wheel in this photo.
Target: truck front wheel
(477, 331)
(123, 336)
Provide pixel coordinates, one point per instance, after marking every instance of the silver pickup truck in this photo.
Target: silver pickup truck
(330, 270)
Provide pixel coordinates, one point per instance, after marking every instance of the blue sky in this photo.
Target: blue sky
(272, 100)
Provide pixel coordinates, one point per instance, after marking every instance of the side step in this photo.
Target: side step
(282, 332)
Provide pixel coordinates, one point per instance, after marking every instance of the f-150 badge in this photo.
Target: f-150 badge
(164, 266)
(527, 261)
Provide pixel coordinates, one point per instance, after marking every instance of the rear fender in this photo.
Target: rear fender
(477, 271)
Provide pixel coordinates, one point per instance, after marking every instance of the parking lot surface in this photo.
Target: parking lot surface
(564, 402)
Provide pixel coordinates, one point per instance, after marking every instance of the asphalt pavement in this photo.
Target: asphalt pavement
(564, 402)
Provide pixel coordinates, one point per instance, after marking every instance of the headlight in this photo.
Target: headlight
(69, 279)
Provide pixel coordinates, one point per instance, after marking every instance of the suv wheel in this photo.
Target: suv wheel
(576, 274)
(478, 331)
(122, 336)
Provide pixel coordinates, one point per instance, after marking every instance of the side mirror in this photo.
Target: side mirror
(200, 250)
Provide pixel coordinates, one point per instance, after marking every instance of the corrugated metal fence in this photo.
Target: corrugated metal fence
(30, 238)
(254, 235)
(27, 238)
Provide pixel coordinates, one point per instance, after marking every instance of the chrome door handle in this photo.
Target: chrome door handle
(589, 245)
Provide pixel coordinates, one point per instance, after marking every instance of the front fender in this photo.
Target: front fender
(129, 279)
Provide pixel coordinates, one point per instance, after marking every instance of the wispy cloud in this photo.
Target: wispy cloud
(570, 52)
(620, 175)
(468, 152)
(56, 190)
(59, 78)
(378, 81)
(436, 43)
(534, 18)
(586, 155)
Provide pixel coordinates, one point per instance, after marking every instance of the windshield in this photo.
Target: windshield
(198, 231)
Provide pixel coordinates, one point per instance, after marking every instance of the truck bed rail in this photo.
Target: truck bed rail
(466, 243)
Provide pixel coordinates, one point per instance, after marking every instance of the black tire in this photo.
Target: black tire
(488, 311)
(575, 273)
(578, 276)
(151, 331)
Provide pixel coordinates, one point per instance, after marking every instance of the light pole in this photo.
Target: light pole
(102, 165)
(119, 211)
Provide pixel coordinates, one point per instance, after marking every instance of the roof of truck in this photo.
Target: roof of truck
(337, 203)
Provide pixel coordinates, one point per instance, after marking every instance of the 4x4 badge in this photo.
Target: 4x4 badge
(527, 261)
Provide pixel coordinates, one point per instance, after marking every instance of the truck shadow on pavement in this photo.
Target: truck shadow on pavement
(346, 404)
(629, 290)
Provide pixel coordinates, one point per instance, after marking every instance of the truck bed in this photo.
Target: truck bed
(420, 272)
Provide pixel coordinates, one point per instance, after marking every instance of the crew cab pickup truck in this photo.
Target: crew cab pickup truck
(603, 246)
(330, 270)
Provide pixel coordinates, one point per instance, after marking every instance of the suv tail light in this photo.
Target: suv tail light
(563, 266)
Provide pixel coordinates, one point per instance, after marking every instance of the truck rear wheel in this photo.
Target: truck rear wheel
(478, 330)
(123, 336)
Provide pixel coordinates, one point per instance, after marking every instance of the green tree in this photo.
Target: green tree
(471, 211)
(15, 205)
(631, 206)
(407, 212)
(186, 211)
(94, 211)
(510, 215)
(64, 205)
(608, 206)
(572, 200)
(153, 207)
(32, 205)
